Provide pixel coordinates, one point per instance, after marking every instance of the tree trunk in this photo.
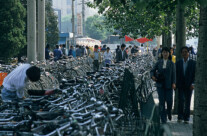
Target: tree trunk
(180, 29)
(167, 37)
(163, 39)
(41, 31)
(31, 30)
(180, 39)
(169, 34)
(164, 35)
(200, 102)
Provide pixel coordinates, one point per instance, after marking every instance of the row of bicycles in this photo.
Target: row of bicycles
(87, 103)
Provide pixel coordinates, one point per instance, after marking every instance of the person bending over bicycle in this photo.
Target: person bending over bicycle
(15, 83)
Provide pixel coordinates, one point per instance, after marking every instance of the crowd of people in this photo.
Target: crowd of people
(101, 56)
(170, 75)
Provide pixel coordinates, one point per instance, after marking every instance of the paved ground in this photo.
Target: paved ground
(179, 129)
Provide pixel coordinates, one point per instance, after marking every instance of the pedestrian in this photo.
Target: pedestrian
(82, 51)
(159, 52)
(72, 52)
(57, 53)
(134, 50)
(88, 51)
(130, 51)
(63, 49)
(192, 51)
(96, 56)
(173, 56)
(121, 54)
(174, 49)
(107, 57)
(154, 52)
(78, 51)
(60, 48)
(15, 82)
(126, 50)
(142, 49)
(117, 49)
(185, 73)
(47, 52)
(163, 73)
(103, 49)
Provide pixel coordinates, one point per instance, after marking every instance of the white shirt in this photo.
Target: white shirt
(185, 64)
(129, 51)
(164, 63)
(142, 49)
(96, 55)
(16, 80)
(107, 56)
(122, 51)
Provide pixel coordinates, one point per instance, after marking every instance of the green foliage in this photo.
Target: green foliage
(147, 18)
(95, 28)
(132, 20)
(52, 32)
(192, 19)
(12, 24)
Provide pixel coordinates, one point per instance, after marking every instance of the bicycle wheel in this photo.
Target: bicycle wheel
(70, 73)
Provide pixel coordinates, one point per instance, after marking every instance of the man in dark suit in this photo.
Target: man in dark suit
(121, 54)
(185, 74)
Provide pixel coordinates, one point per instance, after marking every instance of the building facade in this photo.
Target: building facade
(65, 7)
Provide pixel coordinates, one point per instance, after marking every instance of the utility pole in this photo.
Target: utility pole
(31, 30)
(73, 22)
(83, 17)
(41, 30)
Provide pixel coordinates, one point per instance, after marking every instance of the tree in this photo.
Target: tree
(52, 32)
(200, 102)
(132, 19)
(12, 24)
(95, 28)
(147, 18)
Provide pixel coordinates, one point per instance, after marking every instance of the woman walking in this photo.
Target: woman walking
(163, 73)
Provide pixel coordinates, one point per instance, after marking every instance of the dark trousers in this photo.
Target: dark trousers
(95, 65)
(165, 95)
(184, 99)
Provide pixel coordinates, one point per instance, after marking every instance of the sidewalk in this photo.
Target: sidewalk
(179, 129)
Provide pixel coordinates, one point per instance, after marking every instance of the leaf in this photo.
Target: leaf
(98, 1)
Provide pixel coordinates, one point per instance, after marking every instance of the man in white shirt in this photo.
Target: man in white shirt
(15, 83)
(142, 49)
(96, 56)
(107, 57)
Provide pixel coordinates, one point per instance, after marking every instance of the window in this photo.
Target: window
(68, 2)
(68, 10)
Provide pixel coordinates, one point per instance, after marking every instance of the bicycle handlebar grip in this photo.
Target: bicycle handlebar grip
(49, 92)
(36, 92)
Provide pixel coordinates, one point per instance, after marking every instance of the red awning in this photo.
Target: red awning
(128, 39)
(143, 40)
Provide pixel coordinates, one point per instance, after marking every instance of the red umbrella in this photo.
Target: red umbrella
(143, 40)
(128, 39)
